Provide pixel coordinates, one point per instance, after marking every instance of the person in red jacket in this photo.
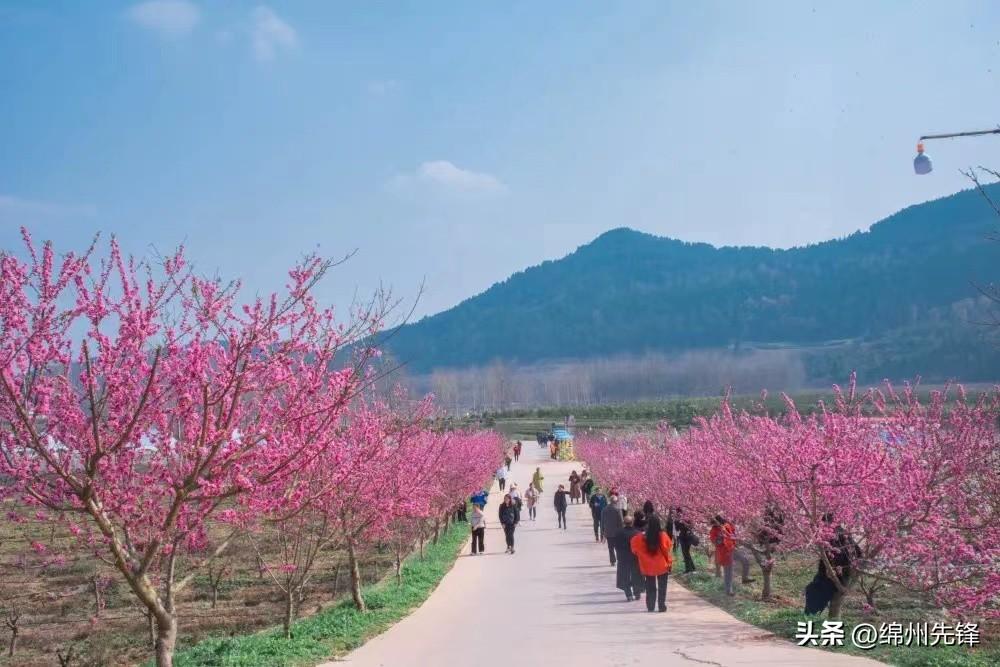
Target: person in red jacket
(653, 551)
(723, 537)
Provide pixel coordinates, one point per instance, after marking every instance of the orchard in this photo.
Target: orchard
(916, 485)
(152, 418)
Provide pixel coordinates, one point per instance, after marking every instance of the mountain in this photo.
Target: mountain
(902, 287)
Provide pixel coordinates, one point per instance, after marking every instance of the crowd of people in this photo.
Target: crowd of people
(642, 544)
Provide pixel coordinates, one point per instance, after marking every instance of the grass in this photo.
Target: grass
(341, 628)
(781, 616)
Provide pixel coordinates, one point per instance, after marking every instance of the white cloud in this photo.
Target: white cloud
(381, 88)
(170, 19)
(270, 34)
(15, 210)
(442, 176)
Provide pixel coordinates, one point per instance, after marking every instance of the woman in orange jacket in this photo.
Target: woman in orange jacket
(653, 551)
(723, 536)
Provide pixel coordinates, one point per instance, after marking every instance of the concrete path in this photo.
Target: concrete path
(554, 602)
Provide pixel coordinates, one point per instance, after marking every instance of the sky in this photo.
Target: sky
(452, 144)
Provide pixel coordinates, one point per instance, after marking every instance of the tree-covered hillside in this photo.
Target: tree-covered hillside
(630, 293)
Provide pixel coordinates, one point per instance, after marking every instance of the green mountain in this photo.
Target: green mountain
(899, 298)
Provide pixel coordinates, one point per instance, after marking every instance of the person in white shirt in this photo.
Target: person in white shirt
(502, 476)
(477, 522)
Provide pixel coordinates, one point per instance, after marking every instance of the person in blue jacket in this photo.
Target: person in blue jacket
(479, 498)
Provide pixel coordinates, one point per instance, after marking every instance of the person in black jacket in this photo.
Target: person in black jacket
(628, 578)
(685, 536)
(508, 519)
(842, 552)
(612, 523)
(648, 510)
(559, 499)
(598, 501)
(586, 485)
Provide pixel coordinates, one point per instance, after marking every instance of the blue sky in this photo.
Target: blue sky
(459, 142)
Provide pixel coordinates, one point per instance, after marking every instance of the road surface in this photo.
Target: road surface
(554, 602)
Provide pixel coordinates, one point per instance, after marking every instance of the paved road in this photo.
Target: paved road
(554, 602)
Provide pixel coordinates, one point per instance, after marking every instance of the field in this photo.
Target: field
(339, 628)
(75, 606)
(678, 412)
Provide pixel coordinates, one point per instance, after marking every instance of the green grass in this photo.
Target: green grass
(340, 628)
(782, 617)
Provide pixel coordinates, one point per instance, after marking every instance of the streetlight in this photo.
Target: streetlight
(922, 163)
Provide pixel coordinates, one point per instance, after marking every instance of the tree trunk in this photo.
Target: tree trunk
(336, 580)
(150, 621)
(166, 640)
(437, 531)
(215, 596)
(766, 571)
(835, 603)
(290, 612)
(13, 621)
(166, 620)
(352, 562)
(97, 595)
(870, 587)
(399, 568)
(870, 599)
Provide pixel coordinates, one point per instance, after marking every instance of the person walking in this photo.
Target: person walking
(515, 495)
(508, 519)
(559, 500)
(586, 485)
(537, 479)
(622, 502)
(723, 537)
(627, 577)
(502, 476)
(507, 460)
(574, 487)
(612, 524)
(598, 501)
(653, 551)
(478, 524)
(517, 450)
(530, 499)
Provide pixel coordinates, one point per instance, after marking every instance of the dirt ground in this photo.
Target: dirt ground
(57, 602)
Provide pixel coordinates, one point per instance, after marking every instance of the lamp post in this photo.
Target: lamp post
(922, 163)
